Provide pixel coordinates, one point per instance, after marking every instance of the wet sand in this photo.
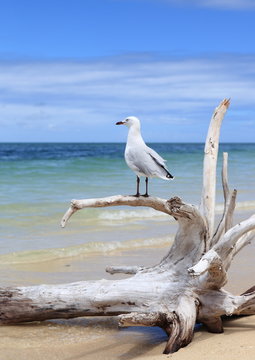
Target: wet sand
(100, 338)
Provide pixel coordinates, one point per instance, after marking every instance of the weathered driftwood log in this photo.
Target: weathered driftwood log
(184, 288)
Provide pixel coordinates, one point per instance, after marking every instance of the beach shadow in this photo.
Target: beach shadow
(139, 340)
(107, 322)
(147, 338)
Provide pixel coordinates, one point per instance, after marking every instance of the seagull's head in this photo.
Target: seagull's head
(130, 121)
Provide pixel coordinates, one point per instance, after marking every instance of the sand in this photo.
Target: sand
(100, 338)
(50, 342)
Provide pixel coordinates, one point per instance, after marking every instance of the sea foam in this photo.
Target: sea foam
(88, 249)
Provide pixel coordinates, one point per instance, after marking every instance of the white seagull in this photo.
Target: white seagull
(143, 160)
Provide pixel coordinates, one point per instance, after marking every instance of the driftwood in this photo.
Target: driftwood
(184, 288)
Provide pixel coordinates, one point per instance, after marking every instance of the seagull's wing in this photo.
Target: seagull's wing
(147, 162)
(162, 170)
(155, 156)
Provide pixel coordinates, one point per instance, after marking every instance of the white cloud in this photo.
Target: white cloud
(82, 96)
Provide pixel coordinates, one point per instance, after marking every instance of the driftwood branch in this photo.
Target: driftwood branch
(226, 248)
(226, 219)
(229, 204)
(174, 206)
(248, 307)
(207, 205)
(242, 242)
(184, 288)
(123, 269)
(224, 176)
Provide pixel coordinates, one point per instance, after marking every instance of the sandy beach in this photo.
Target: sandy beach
(100, 338)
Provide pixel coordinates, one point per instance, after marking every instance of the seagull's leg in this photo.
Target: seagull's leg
(146, 183)
(137, 186)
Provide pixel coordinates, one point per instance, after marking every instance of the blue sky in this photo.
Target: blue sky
(70, 69)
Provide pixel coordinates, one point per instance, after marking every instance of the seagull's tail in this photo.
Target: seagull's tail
(165, 175)
(169, 176)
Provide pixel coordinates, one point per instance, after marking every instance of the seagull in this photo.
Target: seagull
(143, 160)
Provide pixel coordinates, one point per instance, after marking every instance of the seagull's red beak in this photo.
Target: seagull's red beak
(120, 123)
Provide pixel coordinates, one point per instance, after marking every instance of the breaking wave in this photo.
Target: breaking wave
(240, 206)
(151, 214)
(88, 249)
(132, 214)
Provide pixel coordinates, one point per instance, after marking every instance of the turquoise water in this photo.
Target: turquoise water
(37, 182)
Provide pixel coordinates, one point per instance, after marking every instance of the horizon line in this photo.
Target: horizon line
(119, 142)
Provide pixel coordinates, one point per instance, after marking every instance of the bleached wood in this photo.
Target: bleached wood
(230, 211)
(211, 271)
(207, 205)
(116, 200)
(229, 199)
(248, 308)
(220, 302)
(224, 176)
(208, 261)
(227, 218)
(225, 249)
(241, 243)
(229, 204)
(226, 245)
(180, 328)
(123, 269)
(170, 207)
(143, 319)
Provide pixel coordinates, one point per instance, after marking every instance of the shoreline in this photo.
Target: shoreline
(117, 238)
(71, 269)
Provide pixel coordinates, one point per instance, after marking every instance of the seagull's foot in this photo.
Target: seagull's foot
(136, 195)
(145, 195)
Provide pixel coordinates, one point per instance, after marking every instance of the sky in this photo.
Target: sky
(69, 70)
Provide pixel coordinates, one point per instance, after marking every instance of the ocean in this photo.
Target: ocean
(38, 180)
